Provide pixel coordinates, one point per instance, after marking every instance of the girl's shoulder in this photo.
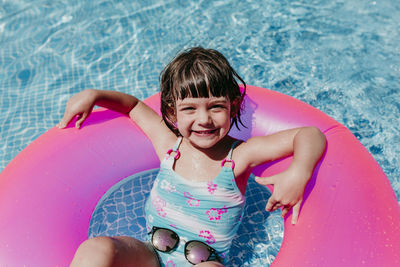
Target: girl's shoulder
(239, 150)
(154, 127)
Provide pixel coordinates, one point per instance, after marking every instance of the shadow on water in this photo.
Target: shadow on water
(260, 234)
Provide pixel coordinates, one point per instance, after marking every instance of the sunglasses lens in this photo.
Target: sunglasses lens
(197, 252)
(164, 240)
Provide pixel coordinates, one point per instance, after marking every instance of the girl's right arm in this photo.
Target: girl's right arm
(82, 103)
(146, 118)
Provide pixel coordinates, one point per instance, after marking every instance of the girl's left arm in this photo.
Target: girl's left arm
(307, 145)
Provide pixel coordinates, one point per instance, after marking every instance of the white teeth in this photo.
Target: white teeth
(204, 132)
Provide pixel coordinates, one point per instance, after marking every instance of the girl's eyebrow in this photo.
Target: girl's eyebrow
(219, 101)
(186, 101)
(184, 104)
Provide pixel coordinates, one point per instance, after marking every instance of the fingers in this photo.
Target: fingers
(282, 198)
(65, 120)
(296, 211)
(68, 118)
(80, 120)
(270, 205)
(265, 180)
(285, 211)
(273, 205)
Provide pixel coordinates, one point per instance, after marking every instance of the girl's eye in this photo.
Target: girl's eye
(187, 108)
(218, 107)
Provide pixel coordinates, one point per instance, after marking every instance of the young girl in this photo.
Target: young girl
(196, 203)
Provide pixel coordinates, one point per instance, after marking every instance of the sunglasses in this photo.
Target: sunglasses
(165, 240)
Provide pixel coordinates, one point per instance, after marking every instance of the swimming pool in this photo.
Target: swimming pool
(339, 56)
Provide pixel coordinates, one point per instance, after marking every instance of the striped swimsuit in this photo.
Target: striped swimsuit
(207, 211)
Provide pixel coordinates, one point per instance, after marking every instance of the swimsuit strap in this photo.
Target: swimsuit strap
(229, 157)
(178, 154)
(177, 144)
(174, 149)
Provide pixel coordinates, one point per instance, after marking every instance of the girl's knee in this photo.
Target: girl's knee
(209, 264)
(114, 251)
(101, 244)
(98, 249)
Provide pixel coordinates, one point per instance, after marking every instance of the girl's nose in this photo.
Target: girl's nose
(203, 117)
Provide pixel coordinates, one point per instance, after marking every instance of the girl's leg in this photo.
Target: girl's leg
(114, 251)
(209, 264)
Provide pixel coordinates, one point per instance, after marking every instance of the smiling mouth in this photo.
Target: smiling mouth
(205, 132)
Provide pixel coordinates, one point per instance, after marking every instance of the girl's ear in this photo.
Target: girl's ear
(171, 114)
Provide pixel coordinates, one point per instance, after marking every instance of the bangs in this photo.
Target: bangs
(199, 81)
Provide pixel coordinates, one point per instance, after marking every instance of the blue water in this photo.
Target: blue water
(342, 57)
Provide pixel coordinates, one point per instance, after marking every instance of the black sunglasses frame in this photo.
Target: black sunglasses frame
(213, 253)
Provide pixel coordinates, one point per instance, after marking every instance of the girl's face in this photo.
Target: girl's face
(203, 121)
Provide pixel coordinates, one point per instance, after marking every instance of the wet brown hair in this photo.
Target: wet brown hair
(199, 72)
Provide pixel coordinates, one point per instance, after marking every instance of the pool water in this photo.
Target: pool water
(342, 57)
(120, 212)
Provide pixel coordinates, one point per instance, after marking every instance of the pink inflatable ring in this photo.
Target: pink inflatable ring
(350, 216)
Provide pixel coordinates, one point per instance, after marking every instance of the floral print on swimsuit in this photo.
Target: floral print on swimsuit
(205, 211)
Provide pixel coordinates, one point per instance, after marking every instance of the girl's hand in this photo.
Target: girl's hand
(288, 192)
(80, 104)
